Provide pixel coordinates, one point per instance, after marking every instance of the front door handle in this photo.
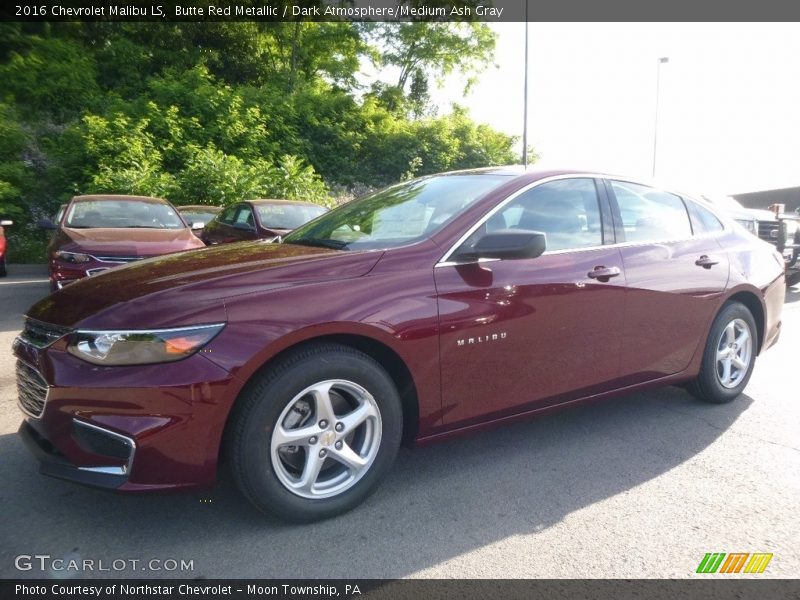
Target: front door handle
(706, 262)
(602, 273)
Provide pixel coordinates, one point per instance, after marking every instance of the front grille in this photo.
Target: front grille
(119, 259)
(765, 229)
(31, 390)
(41, 335)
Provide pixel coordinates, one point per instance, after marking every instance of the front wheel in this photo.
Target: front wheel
(313, 435)
(729, 356)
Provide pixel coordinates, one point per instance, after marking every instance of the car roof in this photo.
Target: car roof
(262, 201)
(198, 207)
(113, 197)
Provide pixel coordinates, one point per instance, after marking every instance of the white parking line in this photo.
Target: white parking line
(28, 281)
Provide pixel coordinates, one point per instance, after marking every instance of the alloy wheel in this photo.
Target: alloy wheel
(734, 353)
(326, 439)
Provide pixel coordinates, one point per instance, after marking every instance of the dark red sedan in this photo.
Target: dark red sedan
(432, 308)
(96, 233)
(259, 220)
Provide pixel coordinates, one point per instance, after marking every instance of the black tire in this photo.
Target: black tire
(3, 271)
(252, 425)
(708, 385)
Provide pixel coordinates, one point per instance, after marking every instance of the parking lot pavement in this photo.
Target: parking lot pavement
(639, 486)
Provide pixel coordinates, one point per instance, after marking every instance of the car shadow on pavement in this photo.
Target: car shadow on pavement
(438, 502)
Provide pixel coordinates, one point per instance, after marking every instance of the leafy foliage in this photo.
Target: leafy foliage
(216, 112)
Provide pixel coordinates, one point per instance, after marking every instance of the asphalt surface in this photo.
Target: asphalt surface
(639, 486)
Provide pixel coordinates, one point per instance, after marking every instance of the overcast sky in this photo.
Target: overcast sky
(729, 109)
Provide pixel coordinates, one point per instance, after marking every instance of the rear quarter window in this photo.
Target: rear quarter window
(703, 220)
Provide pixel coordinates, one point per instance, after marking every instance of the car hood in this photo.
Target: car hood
(128, 241)
(190, 287)
(762, 215)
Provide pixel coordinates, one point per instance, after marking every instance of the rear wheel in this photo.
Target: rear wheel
(729, 356)
(312, 437)
(3, 271)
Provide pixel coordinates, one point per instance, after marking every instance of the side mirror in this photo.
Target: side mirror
(507, 244)
(6, 223)
(197, 225)
(46, 224)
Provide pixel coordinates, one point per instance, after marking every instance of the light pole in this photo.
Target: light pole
(525, 97)
(661, 61)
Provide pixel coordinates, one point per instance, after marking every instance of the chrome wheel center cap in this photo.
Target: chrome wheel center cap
(327, 438)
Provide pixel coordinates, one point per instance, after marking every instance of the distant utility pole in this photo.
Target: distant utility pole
(525, 97)
(660, 62)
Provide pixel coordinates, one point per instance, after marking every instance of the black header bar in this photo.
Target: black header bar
(490, 11)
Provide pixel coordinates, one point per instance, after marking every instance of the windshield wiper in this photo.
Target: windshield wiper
(319, 242)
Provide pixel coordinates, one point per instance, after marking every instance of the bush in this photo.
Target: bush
(26, 245)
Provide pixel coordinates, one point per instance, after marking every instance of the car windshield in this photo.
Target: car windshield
(397, 215)
(287, 216)
(122, 214)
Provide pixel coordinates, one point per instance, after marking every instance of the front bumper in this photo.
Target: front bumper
(63, 273)
(152, 427)
(54, 464)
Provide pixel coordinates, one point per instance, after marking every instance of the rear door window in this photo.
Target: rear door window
(649, 214)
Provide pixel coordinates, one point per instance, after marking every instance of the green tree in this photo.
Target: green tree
(435, 48)
(14, 176)
(55, 77)
(218, 112)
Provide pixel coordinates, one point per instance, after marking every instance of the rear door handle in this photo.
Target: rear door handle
(706, 262)
(602, 273)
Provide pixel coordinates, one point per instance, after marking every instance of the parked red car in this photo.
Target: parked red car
(429, 309)
(3, 245)
(259, 220)
(96, 233)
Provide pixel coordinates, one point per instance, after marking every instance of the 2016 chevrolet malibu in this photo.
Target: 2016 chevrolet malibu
(429, 309)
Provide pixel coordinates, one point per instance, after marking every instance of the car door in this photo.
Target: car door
(244, 224)
(675, 273)
(219, 229)
(521, 334)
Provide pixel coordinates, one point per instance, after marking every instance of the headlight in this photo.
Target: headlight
(140, 347)
(749, 224)
(72, 257)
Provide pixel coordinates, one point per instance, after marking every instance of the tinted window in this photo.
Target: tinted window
(245, 215)
(122, 214)
(566, 211)
(649, 214)
(703, 220)
(287, 216)
(398, 215)
(227, 215)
